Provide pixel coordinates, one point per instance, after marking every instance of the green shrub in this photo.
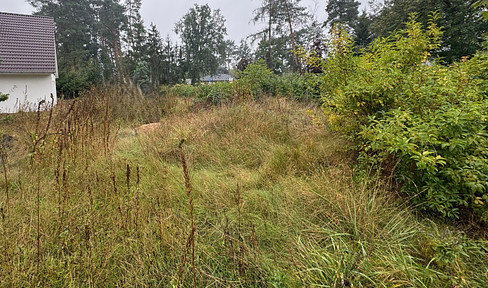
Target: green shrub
(216, 93)
(256, 80)
(421, 121)
(165, 90)
(185, 90)
(212, 93)
(299, 86)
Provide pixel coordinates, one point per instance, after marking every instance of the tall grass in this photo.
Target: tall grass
(275, 202)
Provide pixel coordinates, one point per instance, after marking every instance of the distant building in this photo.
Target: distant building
(217, 78)
(28, 64)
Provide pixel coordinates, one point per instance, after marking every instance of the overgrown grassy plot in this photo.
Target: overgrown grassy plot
(275, 203)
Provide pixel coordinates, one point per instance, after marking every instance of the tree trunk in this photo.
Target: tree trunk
(292, 36)
(269, 60)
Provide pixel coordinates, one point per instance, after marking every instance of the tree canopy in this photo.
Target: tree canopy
(460, 20)
(107, 41)
(202, 32)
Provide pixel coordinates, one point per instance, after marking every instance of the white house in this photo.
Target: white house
(28, 64)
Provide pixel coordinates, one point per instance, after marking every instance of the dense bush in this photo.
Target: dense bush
(216, 93)
(254, 82)
(300, 87)
(421, 121)
(183, 90)
(258, 80)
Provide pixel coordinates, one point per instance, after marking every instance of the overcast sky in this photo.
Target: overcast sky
(165, 13)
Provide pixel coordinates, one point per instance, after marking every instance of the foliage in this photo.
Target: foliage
(135, 37)
(202, 32)
(281, 36)
(343, 12)
(73, 81)
(87, 31)
(183, 90)
(141, 76)
(303, 87)
(441, 155)
(462, 24)
(111, 37)
(423, 122)
(482, 3)
(362, 33)
(216, 93)
(255, 80)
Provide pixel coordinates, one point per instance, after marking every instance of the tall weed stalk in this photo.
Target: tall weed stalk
(190, 244)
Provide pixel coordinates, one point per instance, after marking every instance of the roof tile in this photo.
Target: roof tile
(27, 44)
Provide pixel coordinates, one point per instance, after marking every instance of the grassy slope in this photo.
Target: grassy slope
(276, 204)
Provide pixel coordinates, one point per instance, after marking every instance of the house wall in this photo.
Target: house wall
(26, 91)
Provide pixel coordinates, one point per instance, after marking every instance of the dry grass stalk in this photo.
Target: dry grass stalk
(190, 244)
(5, 174)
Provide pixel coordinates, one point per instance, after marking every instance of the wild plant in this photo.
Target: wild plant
(420, 121)
(190, 243)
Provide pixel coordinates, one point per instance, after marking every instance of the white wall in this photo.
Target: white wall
(25, 91)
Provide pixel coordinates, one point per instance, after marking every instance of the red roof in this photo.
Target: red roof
(27, 44)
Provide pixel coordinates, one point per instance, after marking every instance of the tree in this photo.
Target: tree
(136, 36)
(110, 22)
(282, 18)
(230, 54)
(172, 63)
(343, 12)
(266, 13)
(244, 55)
(202, 32)
(293, 13)
(155, 55)
(76, 42)
(483, 4)
(88, 41)
(362, 33)
(462, 23)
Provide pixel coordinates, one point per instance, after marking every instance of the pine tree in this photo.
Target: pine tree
(135, 36)
(343, 12)
(155, 54)
(111, 21)
(282, 18)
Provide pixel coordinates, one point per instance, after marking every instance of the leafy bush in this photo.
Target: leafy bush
(216, 93)
(423, 122)
(212, 93)
(299, 86)
(256, 80)
(184, 90)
